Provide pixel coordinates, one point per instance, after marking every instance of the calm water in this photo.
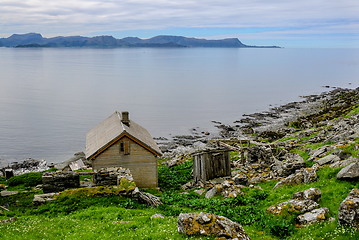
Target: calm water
(50, 98)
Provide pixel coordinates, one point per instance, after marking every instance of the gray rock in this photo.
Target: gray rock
(309, 194)
(317, 153)
(13, 219)
(157, 215)
(212, 192)
(349, 172)
(306, 175)
(210, 225)
(255, 180)
(313, 217)
(293, 205)
(331, 158)
(8, 193)
(343, 163)
(199, 191)
(202, 218)
(240, 179)
(43, 198)
(348, 213)
(293, 163)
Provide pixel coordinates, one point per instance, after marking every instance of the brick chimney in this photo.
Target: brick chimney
(125, 118)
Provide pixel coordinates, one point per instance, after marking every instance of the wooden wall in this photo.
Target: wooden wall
(211, 164)
(141, 162)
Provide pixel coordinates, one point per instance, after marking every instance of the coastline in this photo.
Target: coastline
(275, 120)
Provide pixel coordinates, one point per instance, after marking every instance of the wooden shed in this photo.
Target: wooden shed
(211, 164)
(120, 142)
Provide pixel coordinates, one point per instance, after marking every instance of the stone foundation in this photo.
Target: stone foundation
(111, 176)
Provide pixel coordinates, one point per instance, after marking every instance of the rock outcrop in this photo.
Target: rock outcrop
(313, 217)
(348, 213)
(350, 172)
(306, 175)
(210, 225)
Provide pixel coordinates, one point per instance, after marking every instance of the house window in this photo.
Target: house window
(125, 147)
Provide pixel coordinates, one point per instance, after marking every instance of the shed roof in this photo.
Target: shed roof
(111, 130)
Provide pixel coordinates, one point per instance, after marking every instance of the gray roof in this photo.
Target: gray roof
(112, 129)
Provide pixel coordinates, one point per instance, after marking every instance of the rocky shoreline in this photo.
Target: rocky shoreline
(313, 111)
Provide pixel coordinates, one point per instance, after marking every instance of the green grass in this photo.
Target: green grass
(95, 223)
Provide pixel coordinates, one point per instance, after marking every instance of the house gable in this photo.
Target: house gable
(122, 136)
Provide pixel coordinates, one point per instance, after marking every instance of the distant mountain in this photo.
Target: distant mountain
(36, 40)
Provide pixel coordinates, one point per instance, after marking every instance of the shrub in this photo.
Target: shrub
(28, 179)
(173, 178)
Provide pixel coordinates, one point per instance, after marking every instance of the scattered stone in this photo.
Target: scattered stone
(43, 198)
(349, 172)
(200, 191)
(313, 217)
(255, 180)
(157, 215)
(8, 193)
(210, 225)
(146, 198)
(121, 222)
(293, 162)
(213, 192)
(348, 213)
(260, 154)
(306, 175)
(241, 179)
(10, 220)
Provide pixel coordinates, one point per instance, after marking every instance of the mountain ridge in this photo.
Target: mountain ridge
(106, 41)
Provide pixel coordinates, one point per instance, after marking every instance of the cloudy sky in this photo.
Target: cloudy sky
(296, 23)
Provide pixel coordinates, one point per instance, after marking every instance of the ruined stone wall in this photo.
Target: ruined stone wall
(59, 181)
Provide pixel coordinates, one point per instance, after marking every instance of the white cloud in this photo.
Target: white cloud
(85, 16)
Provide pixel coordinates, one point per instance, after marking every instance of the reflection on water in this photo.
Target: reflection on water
(50, 98)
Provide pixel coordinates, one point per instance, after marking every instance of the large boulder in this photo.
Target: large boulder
(348, 213)
(210, 225)
(313, 217)
(320, 152)
(331, 158)
(293, 205)
(309, 194)
(349, 172)
(302, 202)
(343, 163)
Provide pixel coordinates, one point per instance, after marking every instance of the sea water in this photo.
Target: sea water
(51, 97)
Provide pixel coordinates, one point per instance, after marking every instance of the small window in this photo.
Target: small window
(121, 147)
(125, 147)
